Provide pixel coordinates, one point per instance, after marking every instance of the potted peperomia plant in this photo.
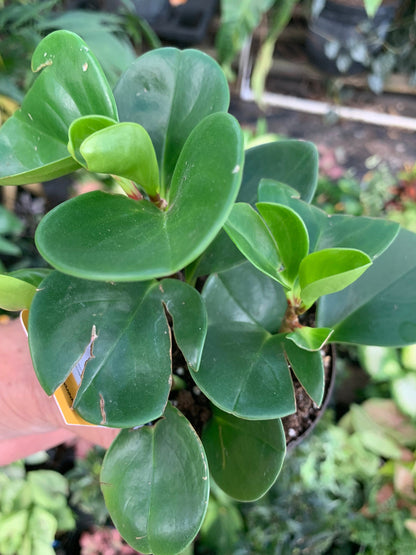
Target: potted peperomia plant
(171, 332)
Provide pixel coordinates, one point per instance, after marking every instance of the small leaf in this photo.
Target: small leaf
(245, 457)
(34, 276)
(290, 234)
(15, 294)
(251, 235)
(187, 309)
(82, 128)
(33, 142)
(123, 149)
(330, 270)
(310, 339)
(155, 484)
(308, 368)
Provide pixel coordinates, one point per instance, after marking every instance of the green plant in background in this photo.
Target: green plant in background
(33, 509)
(150, 299)
(10, 229)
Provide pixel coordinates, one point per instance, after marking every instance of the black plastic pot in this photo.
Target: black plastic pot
(341, 25)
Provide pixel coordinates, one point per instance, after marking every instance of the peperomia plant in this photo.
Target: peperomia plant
(186, 343)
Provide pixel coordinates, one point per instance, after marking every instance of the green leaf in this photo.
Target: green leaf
(379, 309)
(34, 276)
(404, 393)
(270, 190)
(310, 339)
(10, 224)
(244, 372)
(15, 294)
(81, 128)
(292, 162)
(169, 92)
(244, 294)
(9, 248)
(330, 270)
(116, 337)
(245, 457)
(156, 485)
(308, 368)
(290, 234)
(251, 235)
(33, 142)
(110, 237)
(187, 309)
(123, 149)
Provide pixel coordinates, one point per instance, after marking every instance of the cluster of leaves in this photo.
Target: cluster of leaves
(33, 508)
(126, 266)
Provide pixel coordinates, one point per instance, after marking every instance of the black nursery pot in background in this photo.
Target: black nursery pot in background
(342, 38)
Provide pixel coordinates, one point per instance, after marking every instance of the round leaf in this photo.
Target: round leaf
(245, 457)
(125, 380)
(33, 142)
(169, 92)
(156, 486)
(110, 237)
(244, 372)
(330, 270)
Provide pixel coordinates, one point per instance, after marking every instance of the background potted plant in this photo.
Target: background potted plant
(170, 332)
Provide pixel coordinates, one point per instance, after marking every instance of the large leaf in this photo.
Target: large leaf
(380, 308)
(156, 485)
(15, 294)
(292, 162)
(245, 457)
(244, 294)
(71, 84)
(101, 236)
(116, 336)
(330, 270)
(244, 372)
(169, 92)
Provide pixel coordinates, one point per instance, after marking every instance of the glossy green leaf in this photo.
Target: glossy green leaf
(370, 235)
(244, 294)
(34, 276)
(244, 372)
(123, 149)
(81, 128)
(330, 270)
(156, 485)
(118, 337)
(292, 162)
(270, 190)
(169, 92)
(110, 237)
(15, 294)
(33, 142)
(245, 457)
(290, 234)
(380, 308)
(248, 231)
(308, 368)
(187, 309)
(310, 339)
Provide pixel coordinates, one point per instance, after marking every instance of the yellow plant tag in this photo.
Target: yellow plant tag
(65, 394)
